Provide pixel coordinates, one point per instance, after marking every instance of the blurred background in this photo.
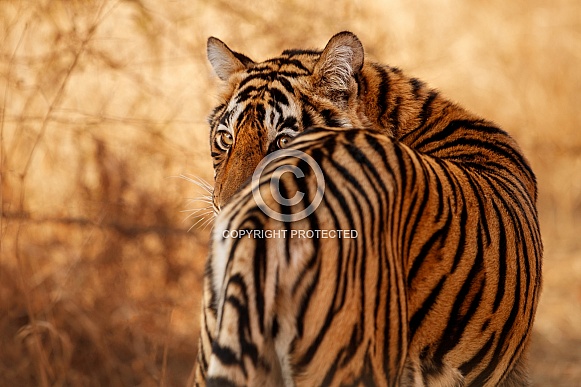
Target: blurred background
(103, 106)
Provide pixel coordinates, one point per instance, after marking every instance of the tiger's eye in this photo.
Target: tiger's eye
(283, 141)
(225, 139)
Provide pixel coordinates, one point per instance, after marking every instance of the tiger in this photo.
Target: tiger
(441, 285)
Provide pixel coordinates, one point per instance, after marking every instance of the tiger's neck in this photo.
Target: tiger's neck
(390, 100)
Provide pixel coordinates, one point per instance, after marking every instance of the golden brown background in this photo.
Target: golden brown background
(103, 105)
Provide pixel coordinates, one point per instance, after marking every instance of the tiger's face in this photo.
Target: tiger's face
(265, 105)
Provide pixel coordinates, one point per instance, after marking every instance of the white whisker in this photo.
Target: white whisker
(202, 199)
(197, 215)
(202, 219)
(199, 182)
(205, 210)
(196, 210)
(206, 222)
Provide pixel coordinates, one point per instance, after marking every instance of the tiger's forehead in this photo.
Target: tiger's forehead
(273, 82)
(290, 63)
(270, 107)
(270, 75)
(266, 89)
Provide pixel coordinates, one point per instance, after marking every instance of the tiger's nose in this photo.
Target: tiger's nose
(234, 178)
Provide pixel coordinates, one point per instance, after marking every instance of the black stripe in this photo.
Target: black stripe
(342, 358)
(303, 70)
(454, 330)
(278, 96)
(299, 51)
(269, 73)
(476, 360)
(393, 118)
(307, 118)
(362, 84)
(417, 85)
(453, 184)
(475, 182)
(426, 250)
(424, 309)
(286, 84)
(259, 275)
(424, 115)
(289, 122)
(246, 93)
(226, 355)
(461, 247)
(330, 119)
(383, 90)
(337, 192)
(215, 112)
(220, 381)
(308, 356)
(501, 232)
(248, 349)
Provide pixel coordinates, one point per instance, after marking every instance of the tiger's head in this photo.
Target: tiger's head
(265, 104)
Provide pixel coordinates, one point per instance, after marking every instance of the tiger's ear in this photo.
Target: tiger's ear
(340, 60)
(225, 61)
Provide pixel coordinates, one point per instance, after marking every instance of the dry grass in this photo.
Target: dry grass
(103, 102)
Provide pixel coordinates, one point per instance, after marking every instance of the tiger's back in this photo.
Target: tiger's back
(440, 287)
(288, 314)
